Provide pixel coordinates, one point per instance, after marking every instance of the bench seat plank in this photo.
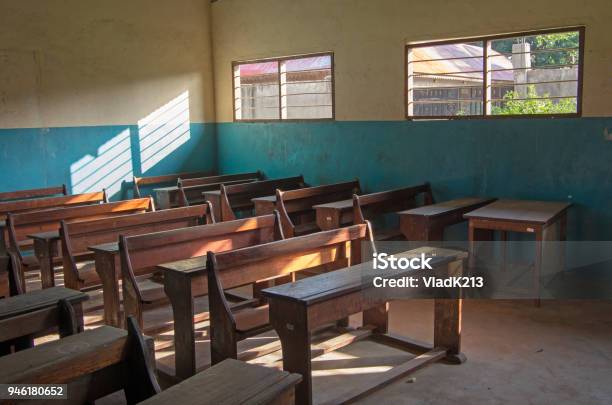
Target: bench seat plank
(229, 382)
(39, 299)
(70, 357)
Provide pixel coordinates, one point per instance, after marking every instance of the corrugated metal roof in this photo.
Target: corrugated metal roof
(293, 65)
(447, 59)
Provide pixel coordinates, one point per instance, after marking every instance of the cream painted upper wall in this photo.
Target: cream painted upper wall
(368, 38)
(102, 62)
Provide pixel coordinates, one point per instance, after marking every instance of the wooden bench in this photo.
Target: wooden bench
(237, 197)
(427, 223)
(33, 193)
(298, 216)
(81, 272)
(26, 315)
(43, 228)
(232, 382)
(190, 191)
(299, 309)
(335, 249)
(141, 254)
(38, 204)
(372, 206)
(167, 179)
(93, 364)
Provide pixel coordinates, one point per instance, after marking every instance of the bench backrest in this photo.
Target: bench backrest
(190, 190)
(78, 236)
(297, 204)
(121, 359)
(232, 382)
(20, 225)
(141, 254)
(367, 206)
(223, 178)
(37, 204)
(33, 193)
(237, 197)
(166, 179)
(333, 249)
(191, 195)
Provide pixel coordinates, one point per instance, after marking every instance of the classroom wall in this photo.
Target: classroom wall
(93, 92)
(560, 159)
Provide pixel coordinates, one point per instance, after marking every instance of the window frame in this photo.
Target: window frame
(485, 39)
(279, 60)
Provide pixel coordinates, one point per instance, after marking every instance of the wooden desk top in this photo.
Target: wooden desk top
(48, 236)
(39, 299)
(190, 266)
(541, 212)
(336, 205)
(351, 279)
(229, 382)
(446, 206)
(268, 198)
(110, 247)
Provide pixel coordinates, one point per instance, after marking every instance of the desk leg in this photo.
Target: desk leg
(538, 267)
(290, 321)
(45, 252)
(476, 234)
(78, 314)
(178, 290)
(107, 268)
(447, 328)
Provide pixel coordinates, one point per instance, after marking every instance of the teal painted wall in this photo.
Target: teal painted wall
(90, 158)
(564, 160)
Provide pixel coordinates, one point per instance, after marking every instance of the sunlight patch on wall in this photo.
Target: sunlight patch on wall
(107, 170)
(163, 131)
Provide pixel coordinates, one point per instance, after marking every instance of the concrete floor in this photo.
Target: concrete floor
(560, 353)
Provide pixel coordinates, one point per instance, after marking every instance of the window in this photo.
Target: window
(300, 87)
(526, 74)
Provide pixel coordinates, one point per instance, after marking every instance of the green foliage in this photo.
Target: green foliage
(545, 41)
(512, 106)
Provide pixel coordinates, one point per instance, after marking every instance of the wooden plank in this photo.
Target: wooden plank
(355, 278)
(445, 207)
(20, 304)
(381, 380)
(542, 212)
(62, 360)
(33, 193)
(229, 382)
(50, 202)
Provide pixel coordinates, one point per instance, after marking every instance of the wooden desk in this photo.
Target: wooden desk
(299, 308)
(264, 205)
(427, 223)
(46, 250)
(108, 267)
(333, 215)
(547, 220)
